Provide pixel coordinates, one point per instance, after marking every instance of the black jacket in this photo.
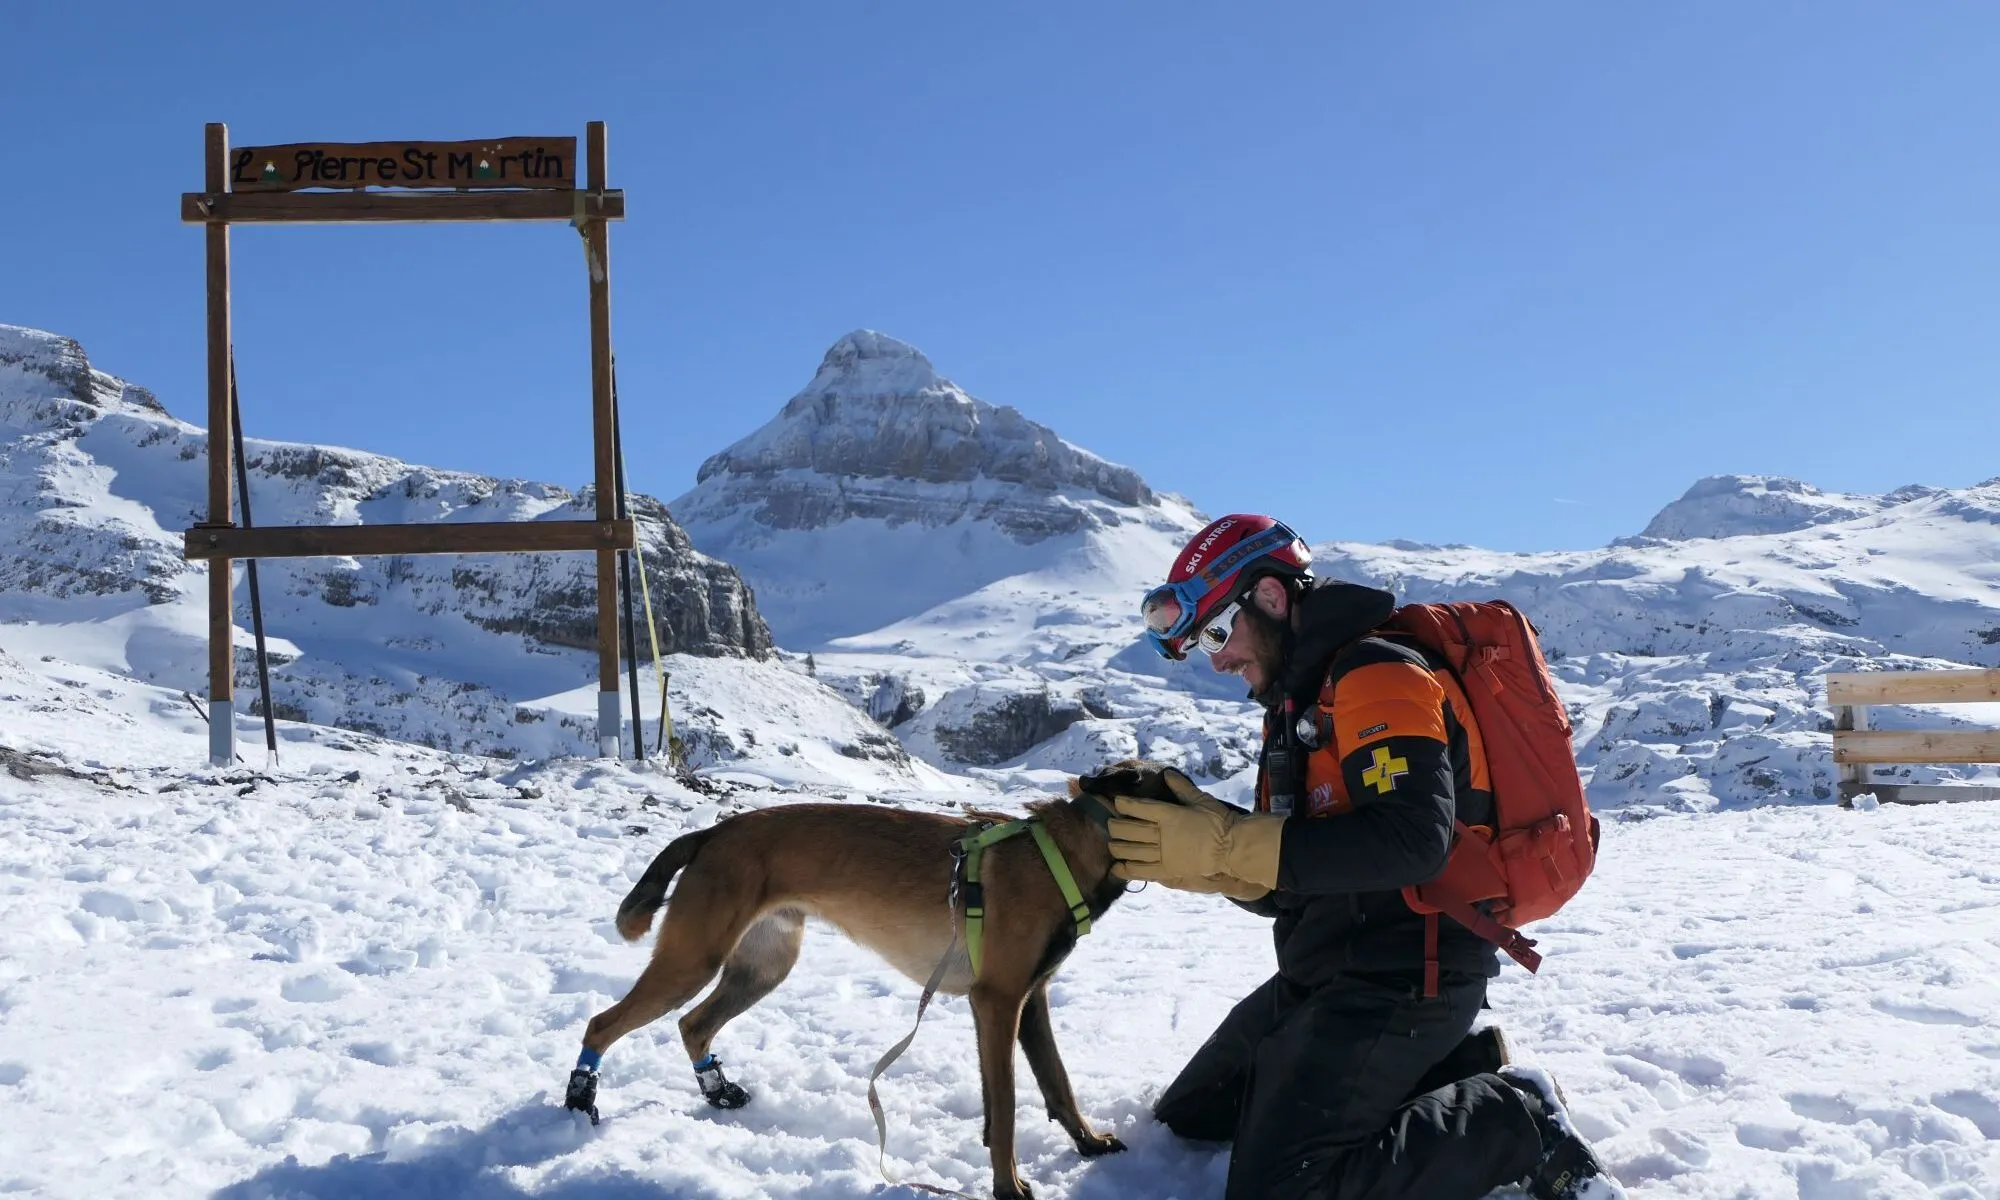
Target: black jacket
(1389, 787)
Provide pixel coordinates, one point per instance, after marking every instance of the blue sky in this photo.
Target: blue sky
(1509, 275)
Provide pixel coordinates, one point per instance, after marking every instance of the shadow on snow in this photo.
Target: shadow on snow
(460, 1165)
(472, 1165)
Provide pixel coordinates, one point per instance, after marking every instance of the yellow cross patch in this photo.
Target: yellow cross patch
(1386, 771)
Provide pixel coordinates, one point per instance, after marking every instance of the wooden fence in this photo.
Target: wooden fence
(1856, 747)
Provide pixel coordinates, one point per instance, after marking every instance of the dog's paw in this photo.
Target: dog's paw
(728, 1095)
(716, 1087)
(1019, 1191)
(581, 1095)
(1099, 1143)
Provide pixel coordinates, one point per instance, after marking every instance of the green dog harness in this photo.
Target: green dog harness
(971, 849)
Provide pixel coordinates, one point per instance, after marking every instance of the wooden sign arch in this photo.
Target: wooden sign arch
(504, 179)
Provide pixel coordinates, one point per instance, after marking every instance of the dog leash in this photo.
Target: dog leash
(965, 881)
(896, 1052)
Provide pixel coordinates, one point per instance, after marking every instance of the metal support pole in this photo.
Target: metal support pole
(609, 718)
(250, 564)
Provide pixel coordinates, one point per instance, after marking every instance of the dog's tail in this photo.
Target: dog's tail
(635, 915)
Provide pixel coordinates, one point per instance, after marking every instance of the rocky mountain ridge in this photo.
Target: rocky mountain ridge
(1690, 653)
(97, 480)
(1723, 506)
(994, 646)
(1694, 667)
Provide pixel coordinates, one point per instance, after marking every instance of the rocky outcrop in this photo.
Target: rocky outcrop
(895, 700)
(989, 723)
(56, 542)
(700, 606)
(1008, 727)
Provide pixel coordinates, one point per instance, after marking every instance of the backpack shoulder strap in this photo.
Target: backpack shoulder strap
(1381, 646)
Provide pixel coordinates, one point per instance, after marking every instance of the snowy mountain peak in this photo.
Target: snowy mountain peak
(883, 472)
(38, 368)
(1730, 505)
(878, 410)
(869, 363)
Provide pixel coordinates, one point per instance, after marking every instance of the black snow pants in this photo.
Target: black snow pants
(1334, 1094)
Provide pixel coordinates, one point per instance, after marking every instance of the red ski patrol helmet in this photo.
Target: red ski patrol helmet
(1214, 570)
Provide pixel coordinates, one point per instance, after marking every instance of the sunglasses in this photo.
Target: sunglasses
(1215, 634)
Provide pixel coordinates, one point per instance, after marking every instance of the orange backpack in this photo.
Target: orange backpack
(1545, 841)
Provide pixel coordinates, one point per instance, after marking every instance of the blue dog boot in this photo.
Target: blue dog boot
(581, 1095)
(717, 1089)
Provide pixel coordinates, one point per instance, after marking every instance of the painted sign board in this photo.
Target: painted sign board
(525, 162)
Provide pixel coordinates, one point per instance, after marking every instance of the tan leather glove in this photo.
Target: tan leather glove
(1174, 842)
(1219, 885)
(1187, 793)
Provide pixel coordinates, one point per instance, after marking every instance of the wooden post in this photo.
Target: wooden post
(597, 246)
(221, 616)
(1853, 777)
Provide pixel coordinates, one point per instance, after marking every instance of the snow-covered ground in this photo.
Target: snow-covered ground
(366, 975)
(365, 971)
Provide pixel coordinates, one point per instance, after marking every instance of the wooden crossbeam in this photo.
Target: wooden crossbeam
(1913, 687)
(293, 208)
(487, 537)
(1920, 793)
(1917, 746)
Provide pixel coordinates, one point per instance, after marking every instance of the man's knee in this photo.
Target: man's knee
(1205, 1113)
(1205, 1101)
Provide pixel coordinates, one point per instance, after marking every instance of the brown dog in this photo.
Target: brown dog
(882, 876)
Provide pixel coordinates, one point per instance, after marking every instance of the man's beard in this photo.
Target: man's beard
(1273, 645)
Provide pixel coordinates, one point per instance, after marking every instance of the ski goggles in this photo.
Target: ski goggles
(1170, 610)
